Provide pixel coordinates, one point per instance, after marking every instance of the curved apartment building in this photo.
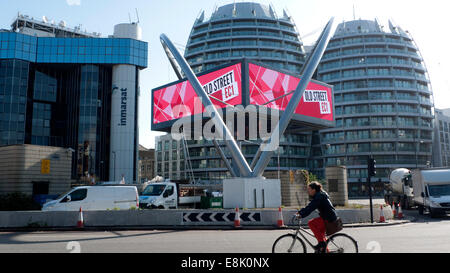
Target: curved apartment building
(383, 102)
(248, 30)
(234, 31)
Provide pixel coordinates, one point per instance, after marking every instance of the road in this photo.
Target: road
(424, 235)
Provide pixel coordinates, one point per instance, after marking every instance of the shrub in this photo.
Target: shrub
(17, 201)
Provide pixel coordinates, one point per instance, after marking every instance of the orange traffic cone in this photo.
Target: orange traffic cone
(394, 212)
(382, 219)
(400, 212)
(80, 223)
(237, 218)
(280, 222)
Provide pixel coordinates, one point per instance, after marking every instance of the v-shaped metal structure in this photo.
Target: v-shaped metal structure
(266, 150)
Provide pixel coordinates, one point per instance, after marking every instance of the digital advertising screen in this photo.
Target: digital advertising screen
(243, 83)
(266, 85)
(179, 99)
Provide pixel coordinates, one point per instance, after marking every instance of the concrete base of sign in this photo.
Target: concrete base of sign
(251, 193)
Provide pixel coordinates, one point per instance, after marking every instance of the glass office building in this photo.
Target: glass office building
(56, 89)
(383, 103)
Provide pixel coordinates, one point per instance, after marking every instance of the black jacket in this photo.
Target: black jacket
(321, 202)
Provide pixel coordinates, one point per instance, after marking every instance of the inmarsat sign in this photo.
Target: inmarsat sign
(123, 105)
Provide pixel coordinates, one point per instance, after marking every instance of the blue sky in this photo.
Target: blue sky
(427, 21)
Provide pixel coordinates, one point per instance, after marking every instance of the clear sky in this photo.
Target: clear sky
(427, 22)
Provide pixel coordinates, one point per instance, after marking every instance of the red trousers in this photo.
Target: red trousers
(317, 226)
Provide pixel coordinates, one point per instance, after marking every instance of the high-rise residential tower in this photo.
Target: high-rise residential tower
(235, 31)
(383, 102)
(248, 30)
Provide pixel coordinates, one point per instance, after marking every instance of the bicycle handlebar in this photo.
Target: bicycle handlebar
(296, 218)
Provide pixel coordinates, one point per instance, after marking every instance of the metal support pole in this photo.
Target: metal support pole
(230, 142)
(256, 157)
(224, 158)
(370, 199)
(307, 71)
(370, 190)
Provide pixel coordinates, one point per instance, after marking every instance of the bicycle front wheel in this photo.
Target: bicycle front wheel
(289, 243)
(342, 243)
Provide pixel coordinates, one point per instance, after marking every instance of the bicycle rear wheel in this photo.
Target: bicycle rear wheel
(342, 243)
(289, 243)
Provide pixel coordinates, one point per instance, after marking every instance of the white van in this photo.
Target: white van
(432, 190)
(95, 198)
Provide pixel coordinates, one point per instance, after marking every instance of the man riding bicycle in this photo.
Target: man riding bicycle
(321, 201)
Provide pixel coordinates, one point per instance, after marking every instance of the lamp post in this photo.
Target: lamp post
(420, 142)
(114, 153)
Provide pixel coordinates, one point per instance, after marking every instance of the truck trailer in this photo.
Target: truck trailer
(432, 190)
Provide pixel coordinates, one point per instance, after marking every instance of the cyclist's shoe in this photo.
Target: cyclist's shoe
(321, 248)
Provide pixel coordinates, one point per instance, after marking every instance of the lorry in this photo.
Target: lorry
(400, 188)
(95, 198)
(170, 195)
(432, 190)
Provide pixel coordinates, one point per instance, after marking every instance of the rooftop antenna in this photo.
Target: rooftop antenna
(129, 17)
(354, 13)
(137, 15)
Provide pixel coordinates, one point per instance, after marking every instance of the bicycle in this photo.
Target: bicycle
(292, 243)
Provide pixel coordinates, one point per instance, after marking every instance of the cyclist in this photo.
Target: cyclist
(321, 201)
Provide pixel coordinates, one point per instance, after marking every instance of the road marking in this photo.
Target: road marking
(374, 246)
(74, 247)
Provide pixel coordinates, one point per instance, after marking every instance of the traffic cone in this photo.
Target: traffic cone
(382, 219)
(237, 218)
(80, 223)
(394, 212)
(280, 222)
(400, 212)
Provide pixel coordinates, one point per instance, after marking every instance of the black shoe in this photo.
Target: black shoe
(320, 247)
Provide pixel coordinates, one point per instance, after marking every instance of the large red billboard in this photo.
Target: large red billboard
(243, 83)
(266, 85)
(178, 100)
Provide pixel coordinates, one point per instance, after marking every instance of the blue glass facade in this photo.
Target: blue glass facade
(13, 101)
(73, 50)
(57, 92)
(18, 46)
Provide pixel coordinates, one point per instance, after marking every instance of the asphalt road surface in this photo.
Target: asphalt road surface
(424, 235)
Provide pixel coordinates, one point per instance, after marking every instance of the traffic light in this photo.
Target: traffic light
(372, 167)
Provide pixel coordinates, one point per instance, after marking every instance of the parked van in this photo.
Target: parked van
(432, 190)
(95, 198)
